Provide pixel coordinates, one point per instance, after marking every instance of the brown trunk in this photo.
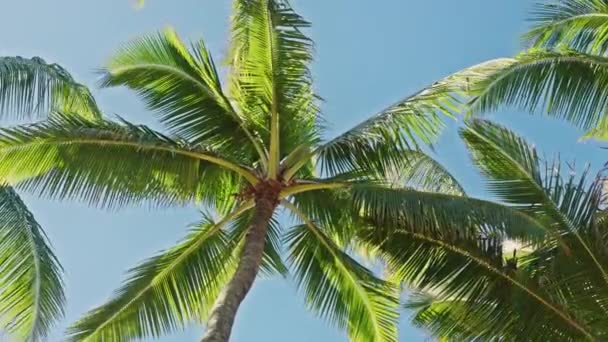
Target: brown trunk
(224, 311)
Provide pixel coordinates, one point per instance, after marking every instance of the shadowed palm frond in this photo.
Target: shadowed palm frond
(472, 289)
(476, 276)
(31, 287)
(450, 214)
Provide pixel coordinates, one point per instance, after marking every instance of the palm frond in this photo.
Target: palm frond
(450, 214)
(581, 25)
(270, 77)
(31, 287)
(338, 288)
(379, 143)
(183, 87)
(563, 84)
(30, 87)
(167, 291)
(330, 209)
(424, 173)
(113, 164)
(566, 207)
(470, 271)
(514, 174)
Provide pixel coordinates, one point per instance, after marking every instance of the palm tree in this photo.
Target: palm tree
(31, 287)
(470, 287)
(244, 151)
(564, 71)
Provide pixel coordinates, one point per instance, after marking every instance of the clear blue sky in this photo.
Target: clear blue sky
(369, 54)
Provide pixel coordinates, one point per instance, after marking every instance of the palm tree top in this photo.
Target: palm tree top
(244, 148)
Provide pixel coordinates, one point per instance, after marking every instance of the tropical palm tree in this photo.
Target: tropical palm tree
(31, 287)
(244, 151)
(562, 73)
(470, 287)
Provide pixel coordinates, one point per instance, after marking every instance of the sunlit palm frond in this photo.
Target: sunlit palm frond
(30, 87)
(111, 164)
(563, 84)
(270, 77)
(167, 291)
(338, 288)
(578, 24)
(31, 287)
(183, 87)
(379, 143)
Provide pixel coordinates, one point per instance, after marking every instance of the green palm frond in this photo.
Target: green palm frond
(167, 291)
(578, 24)
(270, 79)
(426, 174)
(450, 214)
(183, 87)
(338, 288)
(514, 174)
(31, 287)
(564, 274)
(470, 271)
(331, 209)
(379, 143)
(563, 84)
(112, 164)
(443, 317)
(31, 87)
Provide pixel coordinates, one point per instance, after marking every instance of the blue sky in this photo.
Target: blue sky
(369, 54)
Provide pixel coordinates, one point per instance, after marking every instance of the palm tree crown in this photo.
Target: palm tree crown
(246, 148)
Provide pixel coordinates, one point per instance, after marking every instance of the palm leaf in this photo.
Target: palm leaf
(470, 270)
(183, 87)
(563, 84)
(338, 288)
(426, 174)
(169, 290)
(580, 24)
(113, 164)
(420, 211)
(31, 289)
(270, 78)
(32, 87)
(567, 207)
(379, 143)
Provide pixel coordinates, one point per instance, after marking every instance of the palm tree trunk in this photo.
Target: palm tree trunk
(224, 311)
